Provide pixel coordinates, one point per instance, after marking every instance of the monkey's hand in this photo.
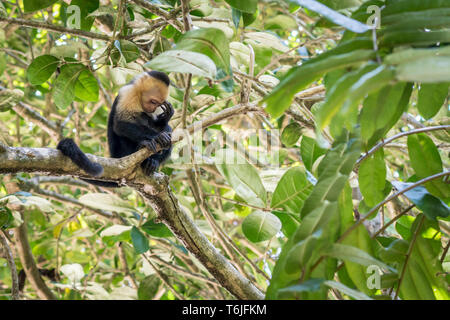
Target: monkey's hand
(164, 139)
(149, 166)
(149, 144)
(167, 112)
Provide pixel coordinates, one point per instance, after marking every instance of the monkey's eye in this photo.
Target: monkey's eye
(154, 102)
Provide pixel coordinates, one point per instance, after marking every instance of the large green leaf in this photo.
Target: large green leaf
(159, 230)
(34, 5)
(140, 242)
(353, 254)
(242, 177)
(368, 83)
(398, 6)
(211, 42)
(300, 77)
(64, 86)
(358, 238)
(125, 49)
(426, 161)
(260, 226)
(338, 94)
(333, 174)
(86, 87)
(382, 109)
(431, 98)
(41, 69)
(421, 278)
(431, 206)
(305, 253)
(425, 70)
(248, 6)
(184, 62)
(292, 191)
(372, 178)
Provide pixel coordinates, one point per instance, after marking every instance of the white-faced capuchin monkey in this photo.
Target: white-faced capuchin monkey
(139, 118)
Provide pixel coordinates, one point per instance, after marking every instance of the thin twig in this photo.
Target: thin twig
(15, 295)
(398, 136)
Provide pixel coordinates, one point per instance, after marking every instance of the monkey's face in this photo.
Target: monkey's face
(151, 100)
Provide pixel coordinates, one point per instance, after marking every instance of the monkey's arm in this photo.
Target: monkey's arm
(133, 131)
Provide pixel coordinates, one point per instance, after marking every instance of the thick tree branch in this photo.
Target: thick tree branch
(155, 189)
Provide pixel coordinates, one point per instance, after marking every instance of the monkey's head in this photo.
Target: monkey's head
(146, 92)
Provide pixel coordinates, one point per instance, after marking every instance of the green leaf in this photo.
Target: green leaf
(242, 177)
(86, 87)
(338, 94)
(382, 109)
(346, 290)
(156, 229)
(353, 254)
(236, 17)
(211, 42)
(305, 253)
(426, 161)
(248, 6)
(126, 49)
(184, 62)
(398, 6)
(358, 238)
(140, 242)
(300, 77)
(310, 152)
(334, 170)
(64, 86)
(34, 5)
(260, 226)
(289, 222)
(421, 280)
(291, 133)
(292, 191)
(333, 16)
(431, 206)
(425, 70)
(41, 69)
(306, 286)
(107, 202)
(432, 98)
(414, 37)
(148, 287)
(372, 178)
(368, 83)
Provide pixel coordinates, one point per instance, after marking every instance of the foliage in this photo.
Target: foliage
(311, 195)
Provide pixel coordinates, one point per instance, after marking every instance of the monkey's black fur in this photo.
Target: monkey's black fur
(128, 131)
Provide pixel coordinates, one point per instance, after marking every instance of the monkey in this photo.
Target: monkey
(133, 123)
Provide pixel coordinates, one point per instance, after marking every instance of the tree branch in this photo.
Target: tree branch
(12, 266)
(55, 28)
(155, 189)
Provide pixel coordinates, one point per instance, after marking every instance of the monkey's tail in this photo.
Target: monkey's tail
(70, 149)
